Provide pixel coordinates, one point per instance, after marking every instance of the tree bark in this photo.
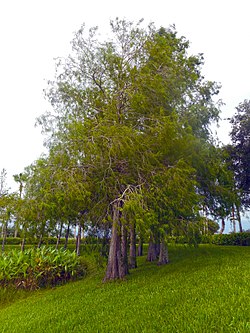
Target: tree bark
(67, 237)
(59, 235)
(40, 241)
(233, 220)
(239, 218)
(132, 247)
(163, 256)
(157, 248)
(23, 244)
(4, 235)
(124, 250)
(105, 242)
(140, 247)
(115, 268)
(3, 243)
(222, 225)
(152, 256)
(16, 231)
(114, 258)
(78, 239)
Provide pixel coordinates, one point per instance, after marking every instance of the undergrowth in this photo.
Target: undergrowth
(36, 268)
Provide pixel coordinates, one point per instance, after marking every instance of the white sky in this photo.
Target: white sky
(33, 32)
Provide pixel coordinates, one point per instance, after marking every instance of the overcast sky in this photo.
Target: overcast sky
(34, 32)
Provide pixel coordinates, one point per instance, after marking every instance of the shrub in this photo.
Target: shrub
(35, 241)
(53, 241)
(240, 239)
(35, 268)
(206, 239)
(12, 240)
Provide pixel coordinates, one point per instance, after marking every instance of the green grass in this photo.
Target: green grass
(201, 290)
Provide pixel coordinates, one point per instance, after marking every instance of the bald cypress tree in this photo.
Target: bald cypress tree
(125, 109)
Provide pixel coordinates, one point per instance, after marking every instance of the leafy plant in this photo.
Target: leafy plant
(35, 268)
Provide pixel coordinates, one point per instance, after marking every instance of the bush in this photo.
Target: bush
(240, 239)
(35, 241)
(53, 240)
(35, 268)
(206, 239)
(12, 240)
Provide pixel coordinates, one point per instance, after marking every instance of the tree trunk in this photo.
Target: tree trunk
(140, 247)
(59, 236)
(23, 244)
(78, 239)
(16, 232)
(132, 247)
(40, 241)
(105, 242)
(115, 268)
(233, 220)
(4, 235)
(222, 225)
(163, 256)
(3, 243)
(124, 250)
(67, 237)
(157, 249)
(239, 218)
(114, 257)
(152, 256)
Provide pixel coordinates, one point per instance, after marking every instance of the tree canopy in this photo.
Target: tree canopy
(130, 149)
(132, 115)
(240, 149)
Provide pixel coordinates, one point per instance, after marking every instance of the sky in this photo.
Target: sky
(34, 33)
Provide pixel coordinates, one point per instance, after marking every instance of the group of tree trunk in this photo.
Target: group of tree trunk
(123, 257)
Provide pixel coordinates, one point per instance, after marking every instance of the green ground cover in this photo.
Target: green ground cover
(201, 290)
(34, 268)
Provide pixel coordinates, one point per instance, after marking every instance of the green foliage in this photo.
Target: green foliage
(12, 240)
(203, 289)
(53, 241)
(240, 150)
(124, 112)
(128, 130)
(35, 241)
(35, 268)
(235, 239)
(242, 238)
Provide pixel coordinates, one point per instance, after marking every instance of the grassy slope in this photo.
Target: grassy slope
(201, 290)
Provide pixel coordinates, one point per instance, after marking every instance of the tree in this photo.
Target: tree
(6, 214)
(3, 183)
(56, 193)
(240, 150)
(123, 110)
(5, 205)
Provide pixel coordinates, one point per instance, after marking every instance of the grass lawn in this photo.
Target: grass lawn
(201, 290)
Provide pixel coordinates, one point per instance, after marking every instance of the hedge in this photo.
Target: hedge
(35, 241)
(90, 245)
(239, 238)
